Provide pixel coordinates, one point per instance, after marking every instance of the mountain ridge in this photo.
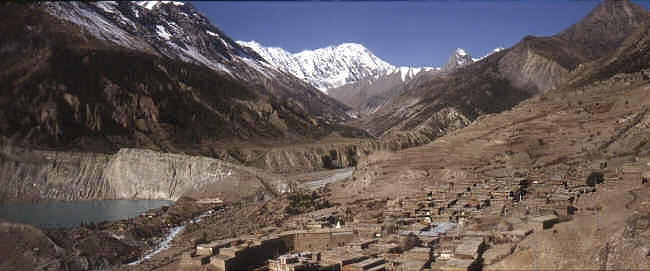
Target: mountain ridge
(352, 74)
(64, 86)
(499, 81)
(178, 31)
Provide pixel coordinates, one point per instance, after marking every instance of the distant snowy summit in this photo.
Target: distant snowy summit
(461, 58)
(332, 66)
(457, 59)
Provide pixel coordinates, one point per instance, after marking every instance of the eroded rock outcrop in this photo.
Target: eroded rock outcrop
(129, 174)
(529, 70)
(320, 156)
(134, 173)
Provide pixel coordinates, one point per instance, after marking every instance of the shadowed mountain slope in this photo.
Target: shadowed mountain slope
(74, 91)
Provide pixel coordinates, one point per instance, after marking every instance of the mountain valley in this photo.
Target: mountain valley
(325, 159)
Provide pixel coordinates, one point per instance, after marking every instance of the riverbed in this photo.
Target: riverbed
(335, 176)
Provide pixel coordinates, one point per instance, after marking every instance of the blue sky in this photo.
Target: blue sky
(417, 33)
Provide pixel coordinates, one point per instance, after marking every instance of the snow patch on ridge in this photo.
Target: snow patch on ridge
(212, 33)
(496, 50)
(162, 32)
(95, 23)
(128, 24)
(107, 6)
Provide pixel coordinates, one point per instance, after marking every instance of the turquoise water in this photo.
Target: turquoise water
(62, 214)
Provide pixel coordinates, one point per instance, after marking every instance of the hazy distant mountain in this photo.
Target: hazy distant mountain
(368, 95)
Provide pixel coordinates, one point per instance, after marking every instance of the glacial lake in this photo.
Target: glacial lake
(63, 214)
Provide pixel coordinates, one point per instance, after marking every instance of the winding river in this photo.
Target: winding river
(170, 237)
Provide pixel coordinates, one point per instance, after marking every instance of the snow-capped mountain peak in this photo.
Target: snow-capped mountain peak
(457, 59)
(332, 66)
(152, 4)
(461, 58)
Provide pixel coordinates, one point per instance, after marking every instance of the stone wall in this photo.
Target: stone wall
(314, 241)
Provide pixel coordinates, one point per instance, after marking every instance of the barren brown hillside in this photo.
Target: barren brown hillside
(602, 115)
(504, 79)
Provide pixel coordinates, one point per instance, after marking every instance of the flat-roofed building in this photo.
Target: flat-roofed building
(303, 261)
(544, 222)
(418, 253)
(250, 254)
(362, 244)
(336, 259)
(323, 239)
(366, 265)
(455, 264)
(212, 248)
(470, 248)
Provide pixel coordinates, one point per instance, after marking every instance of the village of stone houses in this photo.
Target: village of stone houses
(467, 225)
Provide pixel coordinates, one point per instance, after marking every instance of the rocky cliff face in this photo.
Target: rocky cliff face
(129, 174)
(315, 157)
(541, 63)
(136, 173)
(527, 69)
